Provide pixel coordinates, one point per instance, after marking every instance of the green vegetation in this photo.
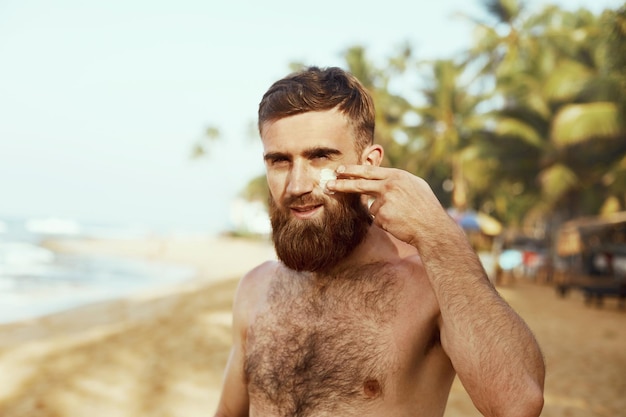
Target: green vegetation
(529, 125)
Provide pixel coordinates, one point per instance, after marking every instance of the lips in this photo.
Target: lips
(307, 211)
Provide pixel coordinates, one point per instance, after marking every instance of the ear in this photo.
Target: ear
(373, 155)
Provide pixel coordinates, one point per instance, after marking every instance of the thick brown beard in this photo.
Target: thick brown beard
(319, 245)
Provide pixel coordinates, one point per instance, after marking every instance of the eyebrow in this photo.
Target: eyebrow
(320, 151)
(273, 156)
(307, 153)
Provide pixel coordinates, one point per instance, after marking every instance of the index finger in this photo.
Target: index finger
(369, 172)
(355, 185)
(363, 179)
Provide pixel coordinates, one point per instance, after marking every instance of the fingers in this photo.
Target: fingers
(369, 172)
(342, 185)
(364, 179)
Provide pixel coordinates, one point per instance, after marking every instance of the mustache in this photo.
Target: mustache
(306, 199)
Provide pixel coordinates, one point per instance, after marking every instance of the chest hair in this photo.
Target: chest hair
(323, 342)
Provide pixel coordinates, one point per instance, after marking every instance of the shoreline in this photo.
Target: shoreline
(30, 349)
(163, 352)
(217, 256)
(197, 261)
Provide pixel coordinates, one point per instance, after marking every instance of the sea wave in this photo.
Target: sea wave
(35, 281)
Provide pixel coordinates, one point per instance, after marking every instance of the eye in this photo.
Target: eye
(277, 160)
(324, 154)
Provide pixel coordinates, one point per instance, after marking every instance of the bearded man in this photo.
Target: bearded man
(377, 300)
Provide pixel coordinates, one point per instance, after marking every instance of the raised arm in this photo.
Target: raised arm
(492, 350)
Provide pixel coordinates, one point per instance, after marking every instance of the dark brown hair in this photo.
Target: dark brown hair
(315, 89)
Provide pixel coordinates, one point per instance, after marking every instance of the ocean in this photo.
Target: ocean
(35, 281)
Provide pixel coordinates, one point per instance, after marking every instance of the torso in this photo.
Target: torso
(363, 342)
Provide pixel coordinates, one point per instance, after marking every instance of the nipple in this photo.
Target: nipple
(372, 388)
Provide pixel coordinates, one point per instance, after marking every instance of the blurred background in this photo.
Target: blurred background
(103, 103)
(130, 164)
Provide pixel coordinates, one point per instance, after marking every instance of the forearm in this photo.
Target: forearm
(493, 351)
(491, 348)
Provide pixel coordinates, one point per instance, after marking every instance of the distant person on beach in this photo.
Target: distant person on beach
(377, 300)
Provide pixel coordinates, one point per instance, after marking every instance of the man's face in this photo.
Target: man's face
(312, 231)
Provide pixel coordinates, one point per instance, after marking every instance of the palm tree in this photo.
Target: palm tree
(557, 103)
(203, 145)
(448, 137)
(391, 108)
(437, 138)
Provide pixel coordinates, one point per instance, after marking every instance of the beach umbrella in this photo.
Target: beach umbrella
(476, 221)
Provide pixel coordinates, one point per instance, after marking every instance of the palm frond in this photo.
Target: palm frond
(566, 81)
(576, 123)
(508, 126)
(556, 181)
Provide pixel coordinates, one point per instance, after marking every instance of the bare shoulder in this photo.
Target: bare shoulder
(412, 269)
(417, 287)
(257, 277)
(407, 260)
(402, 257)
(252, 291)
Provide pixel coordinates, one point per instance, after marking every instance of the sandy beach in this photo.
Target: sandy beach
(162, 352)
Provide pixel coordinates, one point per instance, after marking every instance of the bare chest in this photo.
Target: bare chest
(316, 345)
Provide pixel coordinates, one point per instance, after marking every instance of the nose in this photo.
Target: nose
(301, 179)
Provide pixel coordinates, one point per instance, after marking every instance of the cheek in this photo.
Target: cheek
(275, 184)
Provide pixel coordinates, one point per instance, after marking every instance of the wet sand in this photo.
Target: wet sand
(162, 353)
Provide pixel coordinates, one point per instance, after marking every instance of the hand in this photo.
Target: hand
(404, 204)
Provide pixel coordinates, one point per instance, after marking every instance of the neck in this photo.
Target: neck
(378, 245)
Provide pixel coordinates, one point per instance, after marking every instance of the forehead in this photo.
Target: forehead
(327, 128)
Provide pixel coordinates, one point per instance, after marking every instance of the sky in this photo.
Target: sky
(101, 102)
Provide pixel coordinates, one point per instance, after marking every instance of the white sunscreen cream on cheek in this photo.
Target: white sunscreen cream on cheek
(326, 175)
